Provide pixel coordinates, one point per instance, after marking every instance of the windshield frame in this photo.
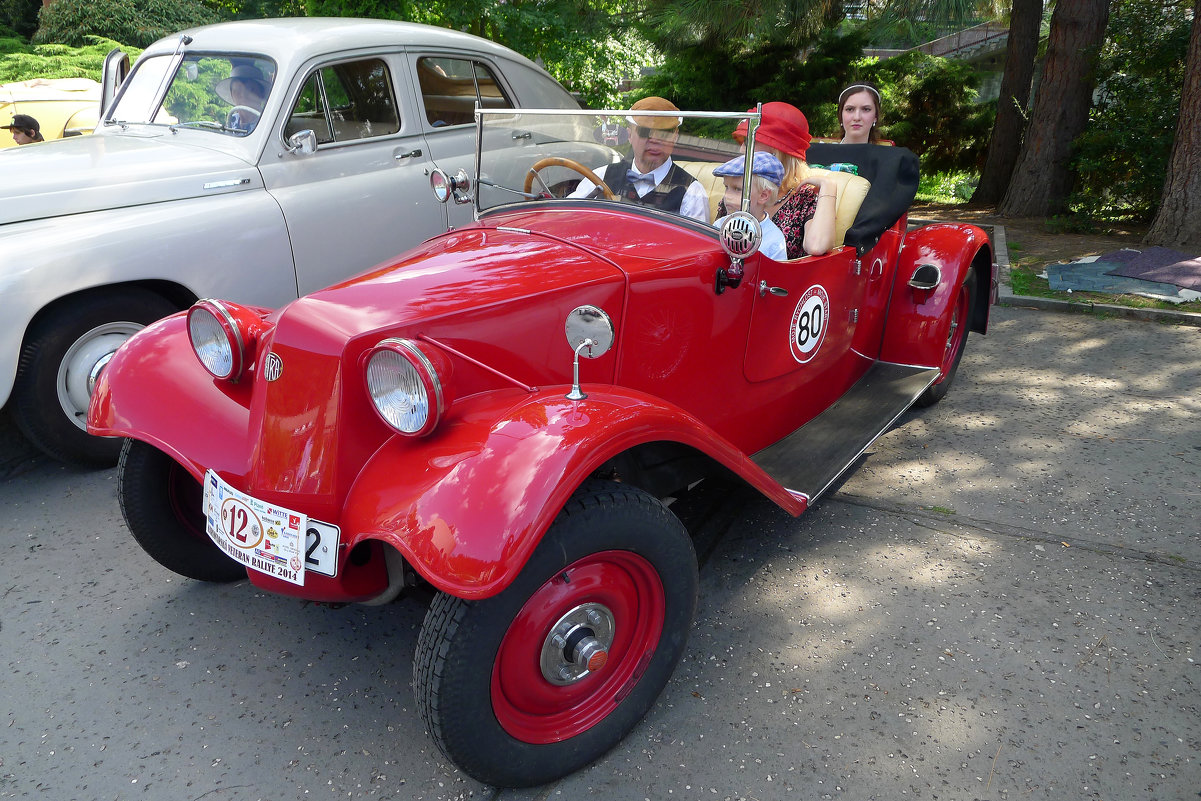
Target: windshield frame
(752, 117)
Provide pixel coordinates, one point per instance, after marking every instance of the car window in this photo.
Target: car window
(215, 92)
(450, 88)
(345, 102)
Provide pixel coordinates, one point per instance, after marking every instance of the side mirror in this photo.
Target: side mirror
(303, 142)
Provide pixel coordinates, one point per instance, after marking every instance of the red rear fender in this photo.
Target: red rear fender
(916, 332)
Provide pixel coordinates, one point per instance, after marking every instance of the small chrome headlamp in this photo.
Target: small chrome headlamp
(217, 339)
(407, 386)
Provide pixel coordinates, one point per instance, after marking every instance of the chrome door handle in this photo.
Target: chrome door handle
(779, 292)
(409, 155)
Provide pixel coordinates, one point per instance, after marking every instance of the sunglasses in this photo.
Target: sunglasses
(654, 133)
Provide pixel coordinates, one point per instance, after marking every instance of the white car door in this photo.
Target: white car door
(363, 197)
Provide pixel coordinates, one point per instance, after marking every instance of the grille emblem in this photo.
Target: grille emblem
(272, 366)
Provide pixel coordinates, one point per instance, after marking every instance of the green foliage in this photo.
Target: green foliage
(21, 62)
(732, 77)
(947, 187)
(1122, 157)
(20, 17)
(929, 106)
(139, 22)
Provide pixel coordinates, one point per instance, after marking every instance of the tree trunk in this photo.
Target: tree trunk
(1178, 221)
(1006, 139)
(1041, 180)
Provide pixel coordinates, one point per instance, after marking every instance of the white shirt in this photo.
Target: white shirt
(695, 203)
(773, 245)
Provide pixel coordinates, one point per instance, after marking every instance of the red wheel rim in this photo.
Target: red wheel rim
(535, 710)
(956, 334)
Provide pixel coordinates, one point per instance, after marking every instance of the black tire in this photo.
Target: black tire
(961, 324)
(62, 348)
(492, 711)
(163, 508)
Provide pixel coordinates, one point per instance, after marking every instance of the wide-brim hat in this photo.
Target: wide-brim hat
(23, 122)
(652, 103)
(782, 126)
(242, 72)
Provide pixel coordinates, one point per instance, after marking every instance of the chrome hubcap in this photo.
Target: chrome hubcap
(578, 644)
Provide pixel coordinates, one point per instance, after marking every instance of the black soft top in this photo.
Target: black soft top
(893, 173)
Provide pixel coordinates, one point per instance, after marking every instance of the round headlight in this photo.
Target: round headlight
(405, 386)
(216, 339)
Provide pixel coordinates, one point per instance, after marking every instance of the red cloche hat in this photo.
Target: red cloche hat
(783, 127)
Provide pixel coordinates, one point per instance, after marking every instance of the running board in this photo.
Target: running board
(809, 460)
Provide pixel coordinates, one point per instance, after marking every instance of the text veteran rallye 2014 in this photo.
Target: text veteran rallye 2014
(503, 413)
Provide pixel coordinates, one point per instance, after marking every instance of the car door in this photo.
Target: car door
(448, 88)
(363, 196)
(803, 322)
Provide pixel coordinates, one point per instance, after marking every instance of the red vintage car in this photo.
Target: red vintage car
(503, 414)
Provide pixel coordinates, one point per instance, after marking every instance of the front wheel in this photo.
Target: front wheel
(163, 507)
(961, 322)
(533, 683)
(64, 352)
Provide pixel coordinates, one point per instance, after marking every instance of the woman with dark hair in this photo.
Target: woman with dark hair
(859, 114)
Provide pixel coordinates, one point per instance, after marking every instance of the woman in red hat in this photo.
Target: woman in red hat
(805, 210)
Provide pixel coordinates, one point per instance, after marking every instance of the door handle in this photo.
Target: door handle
(779, 292)
(409, 155)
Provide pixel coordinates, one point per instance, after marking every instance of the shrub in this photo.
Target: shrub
(137, 23)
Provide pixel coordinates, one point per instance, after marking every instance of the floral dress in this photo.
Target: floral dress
(790, 216)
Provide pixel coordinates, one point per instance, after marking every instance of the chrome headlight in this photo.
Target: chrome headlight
(407, 386)
(217, 339)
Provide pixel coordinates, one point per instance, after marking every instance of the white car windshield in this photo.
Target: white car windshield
(536, 155)
(223, 92)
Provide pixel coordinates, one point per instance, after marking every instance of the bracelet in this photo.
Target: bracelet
(820, 195)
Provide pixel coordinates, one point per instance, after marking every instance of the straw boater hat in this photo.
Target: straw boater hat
(655, 104)
(242, 72)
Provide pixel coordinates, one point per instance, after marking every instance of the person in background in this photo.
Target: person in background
(766, 174)
(859, 114)
(25, 129)
(649, 177)
(805, 209)
(246, 90)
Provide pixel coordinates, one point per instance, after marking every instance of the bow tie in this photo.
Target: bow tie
(635, 176)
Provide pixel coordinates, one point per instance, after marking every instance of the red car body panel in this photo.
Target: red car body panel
(467, 505)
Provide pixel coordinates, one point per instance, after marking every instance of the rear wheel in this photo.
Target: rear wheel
(163, 508)
(961, 322)
(531, 684)
(63, 355)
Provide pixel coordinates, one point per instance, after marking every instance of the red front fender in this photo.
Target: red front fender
(918, 320)
(155, 389)
(468, 509)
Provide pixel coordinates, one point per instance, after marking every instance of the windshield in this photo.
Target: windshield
(223, 92)
(617, 155)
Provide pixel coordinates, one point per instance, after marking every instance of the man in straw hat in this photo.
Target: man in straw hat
(649, 177)
(246, 90)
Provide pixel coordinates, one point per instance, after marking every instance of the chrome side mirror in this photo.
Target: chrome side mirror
(445, 186)
(590, 334)
(303, 142)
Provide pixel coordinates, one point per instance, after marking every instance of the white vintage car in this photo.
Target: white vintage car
(257, 160)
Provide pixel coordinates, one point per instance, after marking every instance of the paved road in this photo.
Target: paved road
(1000, 603)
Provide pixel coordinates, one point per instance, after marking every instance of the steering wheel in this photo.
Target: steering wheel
(556, 161)
(253, 112)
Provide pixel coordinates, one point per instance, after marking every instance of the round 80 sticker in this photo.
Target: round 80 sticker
(809, 323)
